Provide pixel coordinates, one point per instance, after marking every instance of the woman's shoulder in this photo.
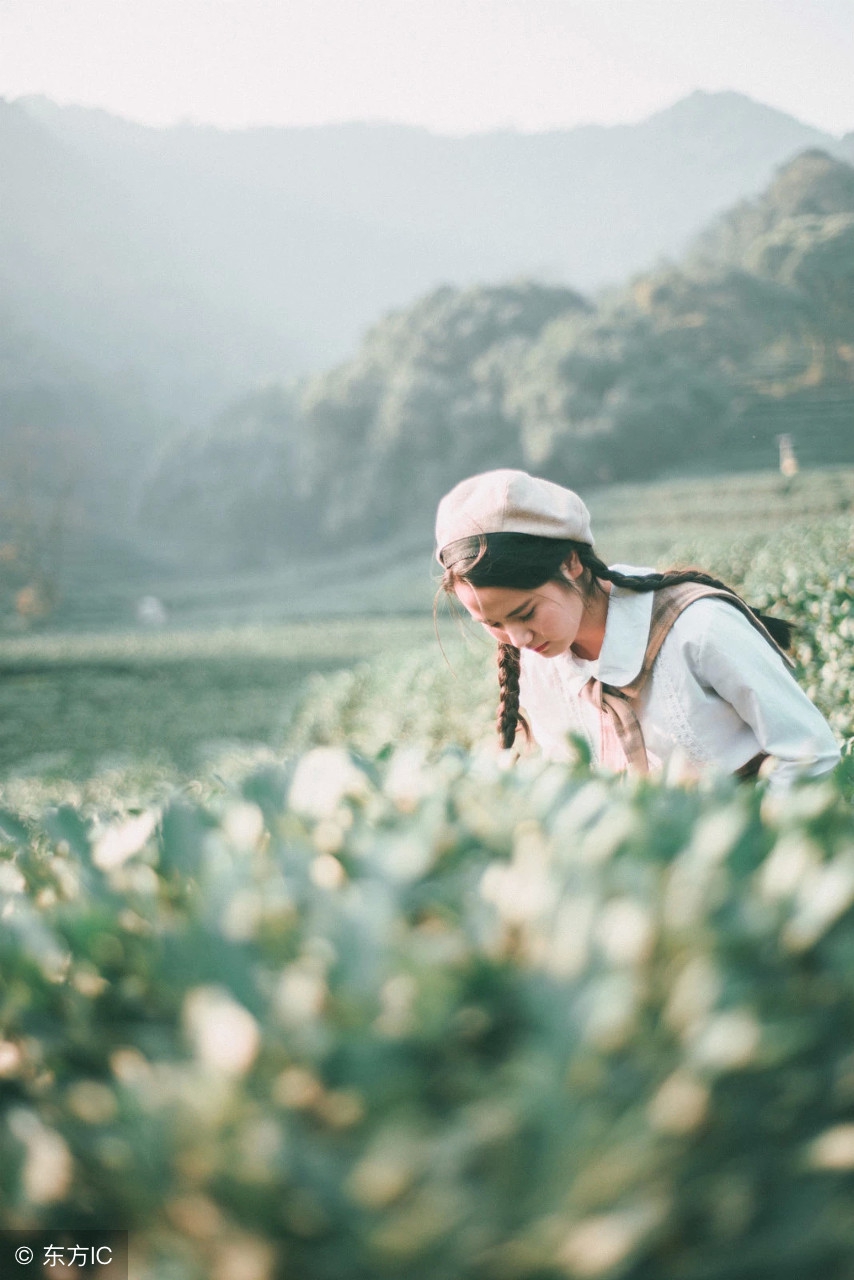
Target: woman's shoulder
(711, 630)
(709, 614)
(713, 614)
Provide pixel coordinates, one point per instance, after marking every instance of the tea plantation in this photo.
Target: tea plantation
(372, 1000)
(416, 1018)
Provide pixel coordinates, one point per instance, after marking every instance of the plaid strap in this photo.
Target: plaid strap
(618, 704)
(618, 722)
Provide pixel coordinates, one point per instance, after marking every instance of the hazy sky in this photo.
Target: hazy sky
(456, 66)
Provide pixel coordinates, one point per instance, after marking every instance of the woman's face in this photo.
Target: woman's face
(546, 619)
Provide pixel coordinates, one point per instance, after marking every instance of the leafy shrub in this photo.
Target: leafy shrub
(437, 1021)
(416, 698)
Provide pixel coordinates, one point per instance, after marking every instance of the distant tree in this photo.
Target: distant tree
(236, 493)
(34, 523)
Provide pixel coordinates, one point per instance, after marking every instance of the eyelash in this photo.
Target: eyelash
(523, 617)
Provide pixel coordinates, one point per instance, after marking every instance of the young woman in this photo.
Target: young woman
(651, 669)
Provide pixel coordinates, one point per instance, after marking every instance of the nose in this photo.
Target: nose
(519, 636)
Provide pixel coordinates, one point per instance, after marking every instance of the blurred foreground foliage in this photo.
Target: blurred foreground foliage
(430, 1017)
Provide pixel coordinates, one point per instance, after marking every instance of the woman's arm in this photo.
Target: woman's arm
(741, 667)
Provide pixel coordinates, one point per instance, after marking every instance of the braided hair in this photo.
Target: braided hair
(524, 562)
(509, 717)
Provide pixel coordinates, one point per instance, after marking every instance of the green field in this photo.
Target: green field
(146, 710)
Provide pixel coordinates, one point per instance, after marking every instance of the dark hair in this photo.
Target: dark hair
(523, 562)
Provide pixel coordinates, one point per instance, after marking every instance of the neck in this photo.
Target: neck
(591, 633)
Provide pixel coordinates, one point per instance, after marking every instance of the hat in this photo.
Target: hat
(507, 501)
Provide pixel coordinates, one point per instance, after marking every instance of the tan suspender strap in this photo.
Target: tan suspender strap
(667, 605)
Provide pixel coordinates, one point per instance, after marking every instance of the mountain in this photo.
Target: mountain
(694, 367)
(208, 261)
(98, 270)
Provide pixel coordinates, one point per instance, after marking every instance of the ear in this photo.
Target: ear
(572, 568)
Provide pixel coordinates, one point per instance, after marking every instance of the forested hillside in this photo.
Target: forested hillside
(694, 367)
(125, 325)
(208, 260)
(157, 280)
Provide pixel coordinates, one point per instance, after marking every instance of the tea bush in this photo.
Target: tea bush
(438, 1019)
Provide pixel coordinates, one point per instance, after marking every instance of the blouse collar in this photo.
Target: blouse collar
(626, 631)
(627, 625)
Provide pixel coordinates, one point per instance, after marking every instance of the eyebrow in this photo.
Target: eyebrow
(522, 608)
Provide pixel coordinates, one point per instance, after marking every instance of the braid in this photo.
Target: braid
(508, 705)
(778, 628)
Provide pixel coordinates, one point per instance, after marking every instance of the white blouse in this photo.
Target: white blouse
(717, 696)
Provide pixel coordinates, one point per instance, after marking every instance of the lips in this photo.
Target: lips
(540, 647)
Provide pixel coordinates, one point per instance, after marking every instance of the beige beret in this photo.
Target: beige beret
(508, 501)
